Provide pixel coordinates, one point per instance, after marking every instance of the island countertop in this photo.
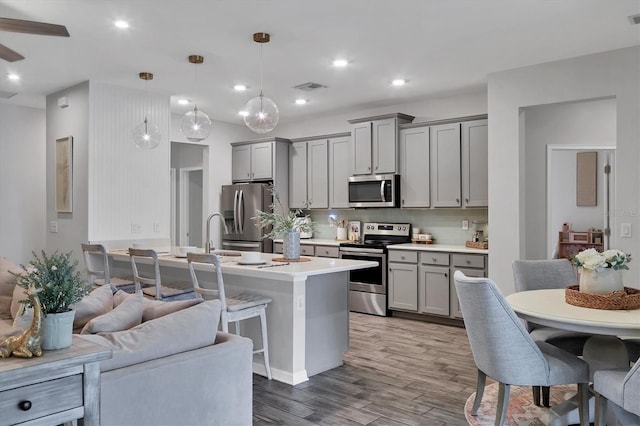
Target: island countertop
(269, 269)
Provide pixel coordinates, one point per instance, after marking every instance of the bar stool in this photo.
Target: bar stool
(96, 261)
(234, 308)
(154, 287)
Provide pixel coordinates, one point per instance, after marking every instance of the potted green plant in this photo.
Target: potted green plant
(286, 224)
(58, 286)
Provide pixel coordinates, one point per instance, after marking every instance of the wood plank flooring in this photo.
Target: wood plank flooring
(396, 372)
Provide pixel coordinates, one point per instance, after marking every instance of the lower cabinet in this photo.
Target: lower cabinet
(403, 286)
(312, 250)
(433, 290)
(472, 265)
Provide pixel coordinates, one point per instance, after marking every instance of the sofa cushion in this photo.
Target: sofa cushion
(126, 315)
(7, 284)
(156, 308)
(98, 302)
(181, 331)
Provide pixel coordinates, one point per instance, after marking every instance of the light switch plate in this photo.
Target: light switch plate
(53, 226)
(465, 224)
(625, 230)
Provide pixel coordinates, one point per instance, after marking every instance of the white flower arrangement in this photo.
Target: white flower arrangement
(593, 260)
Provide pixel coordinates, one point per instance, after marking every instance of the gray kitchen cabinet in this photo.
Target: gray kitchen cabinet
(257, 161)
(374, 144)
(241, 163)
(445, 165)
(433, 290)
(309, 174)
(339, 172)
(414, 167)
(262, 161)
(403, 286)
(327, 251)
(475, 163)
(472, 265)
(307, 249)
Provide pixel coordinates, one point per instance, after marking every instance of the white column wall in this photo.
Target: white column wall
(608, 74)
(22, 182)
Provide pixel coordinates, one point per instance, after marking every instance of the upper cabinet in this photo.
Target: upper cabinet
(308, 174)
(475, 160)
(339, 171)
(445, 165)
(374, 144)
(260, 160)
(414, 167)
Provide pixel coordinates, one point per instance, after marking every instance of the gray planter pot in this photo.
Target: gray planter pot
(57, 330)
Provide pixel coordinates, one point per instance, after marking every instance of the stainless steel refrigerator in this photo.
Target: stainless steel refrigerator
(241, 202)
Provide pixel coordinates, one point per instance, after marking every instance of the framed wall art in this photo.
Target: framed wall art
(64, 175)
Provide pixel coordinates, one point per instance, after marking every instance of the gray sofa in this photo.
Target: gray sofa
(169, 370)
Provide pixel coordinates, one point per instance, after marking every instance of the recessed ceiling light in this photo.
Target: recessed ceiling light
(301, 101)
(184, 101)
(340, 63)
(121, 24)
(243, 113)
(12, 76)
(239, 87)
(399, 82)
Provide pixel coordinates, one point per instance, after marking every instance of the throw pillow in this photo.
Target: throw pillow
(119, 297)
(126, 315)
(19, 294)
(98, 302)
(157, 308)
(7, 284)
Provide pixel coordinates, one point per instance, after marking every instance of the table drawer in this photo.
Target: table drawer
(52, 396)
(307, 249)
(403, 256)
(327, 251)
(434, 258)
(468, 260)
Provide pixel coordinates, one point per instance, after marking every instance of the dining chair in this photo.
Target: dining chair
(234, 308)
(96, 261)
(503, 349)
(151, 284)
(620, 387)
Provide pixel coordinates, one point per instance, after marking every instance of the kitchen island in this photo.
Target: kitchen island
(308, 320)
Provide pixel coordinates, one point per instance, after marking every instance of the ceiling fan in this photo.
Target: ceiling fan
(28, 27)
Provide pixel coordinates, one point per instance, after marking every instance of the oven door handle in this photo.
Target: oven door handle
(362, 253)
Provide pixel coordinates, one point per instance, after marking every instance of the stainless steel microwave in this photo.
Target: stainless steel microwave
(374, 191)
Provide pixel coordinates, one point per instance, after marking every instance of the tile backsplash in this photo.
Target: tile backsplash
(444, 224)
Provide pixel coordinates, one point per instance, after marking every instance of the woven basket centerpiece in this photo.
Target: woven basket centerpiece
(627, 299)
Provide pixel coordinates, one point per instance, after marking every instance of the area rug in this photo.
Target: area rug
(521, 410)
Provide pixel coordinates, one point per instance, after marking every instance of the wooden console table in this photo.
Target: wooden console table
(58, 387)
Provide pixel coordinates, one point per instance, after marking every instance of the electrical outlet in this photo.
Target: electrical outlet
(625, 230)
(300, 303)
(53, 226)
(465, 224)
(135, 228)
(156, 227)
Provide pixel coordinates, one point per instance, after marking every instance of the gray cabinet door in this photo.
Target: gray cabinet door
(241, 163)
(433, 290)
(298, 175)
(414, 167)
(475, 163)
(455, 304)
(361, 148)
(403, 286)
(262, 161)
(445, 165)
(339, 172)
(318, 174)
(385, 145)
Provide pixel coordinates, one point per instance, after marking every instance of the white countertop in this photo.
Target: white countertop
(438, 247)
(284, 271)
(315, 241)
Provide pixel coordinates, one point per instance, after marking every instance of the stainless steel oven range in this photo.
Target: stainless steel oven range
(368, 287)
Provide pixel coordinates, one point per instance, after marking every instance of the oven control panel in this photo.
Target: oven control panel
(375, 228)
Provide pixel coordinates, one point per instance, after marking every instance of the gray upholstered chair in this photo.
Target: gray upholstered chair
(234, 308)
(621, 388)
(548, 274)
(503, 349)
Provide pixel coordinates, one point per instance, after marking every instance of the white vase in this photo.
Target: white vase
(291, 245)
(600, 282)
(57, 330)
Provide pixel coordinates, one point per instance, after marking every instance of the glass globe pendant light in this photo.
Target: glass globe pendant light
(195, 124)
(262, 113)
(146, 135)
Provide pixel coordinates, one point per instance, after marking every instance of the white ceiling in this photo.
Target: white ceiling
(441, 47)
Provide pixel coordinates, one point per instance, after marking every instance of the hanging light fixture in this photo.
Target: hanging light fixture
(195, 124)
(262, 113)
(146, 135)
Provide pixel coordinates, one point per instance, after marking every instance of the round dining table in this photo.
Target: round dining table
(548, 307)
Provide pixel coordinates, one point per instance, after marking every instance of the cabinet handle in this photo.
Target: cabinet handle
(253, 175)
(402, 201)
(25, 405)
(434, 259)
(248, 174)
(457, 200)
(369, 168)
(390, 269)
(466, 200)
(376, 167)
(446, 275)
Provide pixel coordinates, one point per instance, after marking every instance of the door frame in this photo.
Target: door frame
(552, 235)
(184, 202)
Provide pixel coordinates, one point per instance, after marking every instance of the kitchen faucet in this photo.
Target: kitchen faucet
(208, 246)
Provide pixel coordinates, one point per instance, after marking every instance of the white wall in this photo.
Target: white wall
(22, 182)
(591, 122)
(608, 74)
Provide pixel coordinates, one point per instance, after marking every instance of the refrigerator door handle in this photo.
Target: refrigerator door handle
(235, 212)
(241, 211)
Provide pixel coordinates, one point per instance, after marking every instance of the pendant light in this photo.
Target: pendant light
(195, 124)
(262, 113)
(146, 135)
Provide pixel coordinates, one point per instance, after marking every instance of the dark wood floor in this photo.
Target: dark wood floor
(396, 372)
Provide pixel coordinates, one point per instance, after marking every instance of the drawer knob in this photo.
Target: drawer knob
(402, 257)
(468, 262)
(25, 405)
(435, 259)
